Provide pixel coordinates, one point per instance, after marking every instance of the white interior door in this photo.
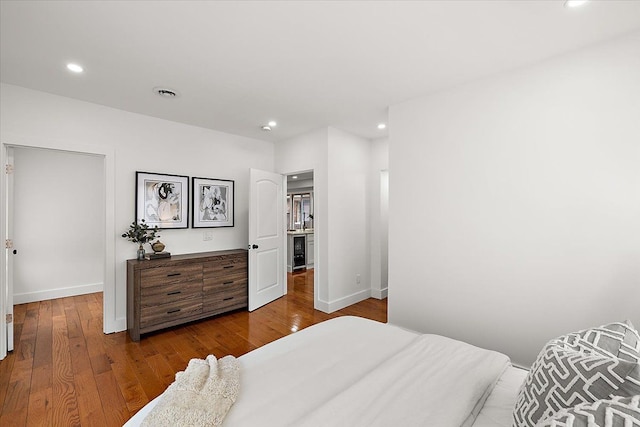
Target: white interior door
(267, 273)
(10, 250)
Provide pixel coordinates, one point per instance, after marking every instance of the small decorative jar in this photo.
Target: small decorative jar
(157, 246)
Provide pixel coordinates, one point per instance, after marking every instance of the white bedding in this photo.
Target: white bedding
(498, 408)
(328, 367)
(432, 381)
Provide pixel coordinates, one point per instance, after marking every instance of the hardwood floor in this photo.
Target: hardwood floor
(65, 372)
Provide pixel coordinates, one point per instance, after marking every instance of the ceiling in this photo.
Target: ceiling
(305, 64)
(302, 176)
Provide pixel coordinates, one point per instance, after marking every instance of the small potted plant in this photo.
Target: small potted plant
(141, 233)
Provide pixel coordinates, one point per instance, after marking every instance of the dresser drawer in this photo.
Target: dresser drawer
(170, 312)
(223, 290)
(171, 293)
(168, 275)
(225, 266)
(231, 297)
(219, 283)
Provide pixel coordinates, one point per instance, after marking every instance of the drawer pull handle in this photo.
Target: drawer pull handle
(228, 298)
(173, 274)
(228, 283)
(173, 311)
(229, 266)
(174, 293)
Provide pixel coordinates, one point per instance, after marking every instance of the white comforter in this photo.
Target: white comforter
(351, 371)
(434, 381)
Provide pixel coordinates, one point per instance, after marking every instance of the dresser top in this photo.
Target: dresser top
(195, 257)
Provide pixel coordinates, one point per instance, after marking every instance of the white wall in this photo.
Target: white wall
(58, 215)
(378, 216)
(140, 143)
(348, 191)
(515, 203)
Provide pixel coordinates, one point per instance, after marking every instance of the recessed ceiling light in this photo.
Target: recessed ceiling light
(382, 126)
(574, 3)
(266, 128)
(294, 177)
(272, 123)
(165, 92)
(74, 67)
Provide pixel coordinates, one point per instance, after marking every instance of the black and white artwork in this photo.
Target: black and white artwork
(162, 200)
(212, 203)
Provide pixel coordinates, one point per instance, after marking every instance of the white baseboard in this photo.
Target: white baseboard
(348, 300)
(331, 306)
(57, 293)
(321, 305)
(379, 293)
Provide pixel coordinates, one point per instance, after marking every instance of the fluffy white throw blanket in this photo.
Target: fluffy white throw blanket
(201, 395)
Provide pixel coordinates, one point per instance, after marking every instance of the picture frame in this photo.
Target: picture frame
(213, 203)
(162, 200)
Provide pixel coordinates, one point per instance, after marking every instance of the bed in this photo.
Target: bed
(351, 371)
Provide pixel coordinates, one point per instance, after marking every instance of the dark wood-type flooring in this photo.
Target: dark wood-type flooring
(65, 371)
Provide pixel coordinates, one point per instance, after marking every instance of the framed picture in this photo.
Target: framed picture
(212, 203)
(162, 200)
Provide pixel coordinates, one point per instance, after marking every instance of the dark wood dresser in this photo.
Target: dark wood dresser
(170, 291)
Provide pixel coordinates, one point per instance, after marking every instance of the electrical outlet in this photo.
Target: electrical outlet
(357, 278)
(208, 235)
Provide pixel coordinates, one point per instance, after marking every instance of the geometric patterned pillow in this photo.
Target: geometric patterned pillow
(581, 367)
(616, 339)
(617, 412)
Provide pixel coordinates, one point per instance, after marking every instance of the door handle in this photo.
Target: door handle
(254, 246)
(15, 251)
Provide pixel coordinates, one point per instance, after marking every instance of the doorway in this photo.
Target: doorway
(58, 224)
(300, 232)
(107, 229)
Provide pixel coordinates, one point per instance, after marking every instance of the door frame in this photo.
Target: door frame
(8, 224)
(4, 268)
(110, 323)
